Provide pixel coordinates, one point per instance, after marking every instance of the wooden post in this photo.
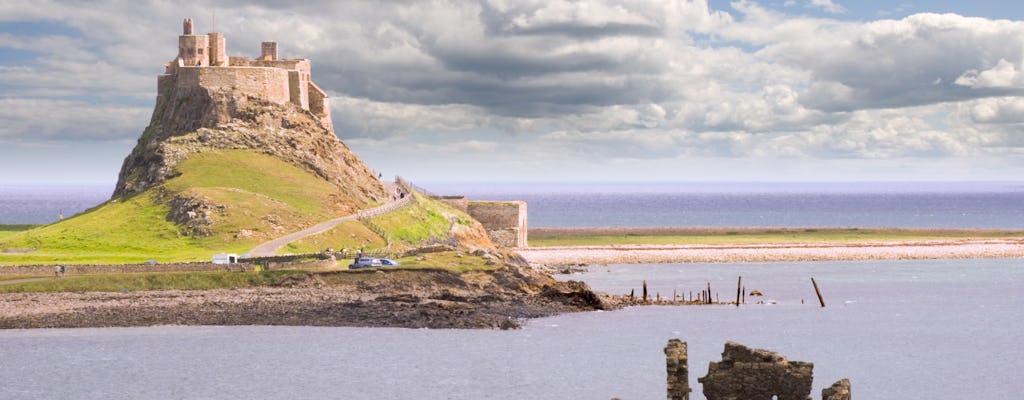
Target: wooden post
(632, 293)
(645, 290)
(739, 289)
(675, 294)
(744, 291)
(820, 300)
(709, 293)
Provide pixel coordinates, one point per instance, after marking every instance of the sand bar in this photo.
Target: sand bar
(888, 250)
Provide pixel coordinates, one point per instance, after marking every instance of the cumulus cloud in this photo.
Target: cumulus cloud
(629, 80)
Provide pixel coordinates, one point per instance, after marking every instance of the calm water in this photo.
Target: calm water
(900, 330)
(40, 204)
(923, 205)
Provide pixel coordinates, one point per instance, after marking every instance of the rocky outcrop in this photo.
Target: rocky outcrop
(193, 214)
(838, 391)
(188, 120)
(497, 299)
(755, 374)
(676, 366)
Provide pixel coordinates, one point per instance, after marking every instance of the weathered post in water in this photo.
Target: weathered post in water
(709, 293)
(739, 290)
(820, 300)
(645, 290)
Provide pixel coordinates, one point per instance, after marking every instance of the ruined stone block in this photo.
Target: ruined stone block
(678, 370)
(755, 374)
(838, 391)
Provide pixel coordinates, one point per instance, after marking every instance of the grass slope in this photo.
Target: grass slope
(262, 196)
(347, 235)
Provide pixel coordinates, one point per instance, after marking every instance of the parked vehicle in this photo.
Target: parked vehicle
(370, 262)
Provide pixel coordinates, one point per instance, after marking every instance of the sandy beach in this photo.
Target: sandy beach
(889, 250)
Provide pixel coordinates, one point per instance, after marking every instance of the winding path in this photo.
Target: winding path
(270, 248)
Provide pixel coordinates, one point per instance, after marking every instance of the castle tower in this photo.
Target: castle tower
(268, 51)
(218, 50)
(193, 49)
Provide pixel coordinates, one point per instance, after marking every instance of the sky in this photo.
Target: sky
(547, 90)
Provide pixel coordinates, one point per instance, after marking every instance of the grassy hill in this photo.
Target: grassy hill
(252, 196)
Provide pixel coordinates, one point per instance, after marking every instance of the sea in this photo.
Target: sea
(899, 329)
(912, 329)
(997, 205)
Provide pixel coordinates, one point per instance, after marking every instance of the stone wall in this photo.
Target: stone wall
(676, 366)
(505, 221)
(248, 265)
(747, 374)
(266, 83)
(457, 202)
(756, 374)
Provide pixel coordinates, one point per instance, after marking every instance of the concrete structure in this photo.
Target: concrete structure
(505, 221)
(202, 62)
(755, 374)
(676, 366)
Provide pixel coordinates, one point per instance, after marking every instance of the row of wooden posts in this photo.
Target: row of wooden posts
(704, 296)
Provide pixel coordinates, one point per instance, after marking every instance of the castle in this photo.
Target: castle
(202, 61)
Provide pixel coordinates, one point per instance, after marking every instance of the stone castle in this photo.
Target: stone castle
(202, 61)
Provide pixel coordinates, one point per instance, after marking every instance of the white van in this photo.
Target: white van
(225, 258)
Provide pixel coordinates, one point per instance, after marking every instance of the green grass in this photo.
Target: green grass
(347, 235)
(155, 281)
(446, 260)
(9, 230)
(756, 236)
(252, 187)
(423, 220)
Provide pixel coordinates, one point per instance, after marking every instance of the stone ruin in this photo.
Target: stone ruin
(747, 374)
(678, 371)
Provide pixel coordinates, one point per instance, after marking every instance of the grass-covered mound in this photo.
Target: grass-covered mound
(247, 197)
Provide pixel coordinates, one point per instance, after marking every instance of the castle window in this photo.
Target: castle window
(200, 51)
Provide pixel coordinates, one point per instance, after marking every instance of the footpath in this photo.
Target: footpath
(270, 248)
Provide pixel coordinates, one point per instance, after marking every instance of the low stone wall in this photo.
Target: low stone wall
(457, 202)
(270, 263)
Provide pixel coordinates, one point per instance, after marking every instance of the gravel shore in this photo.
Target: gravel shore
(623, 254)
(396, 298)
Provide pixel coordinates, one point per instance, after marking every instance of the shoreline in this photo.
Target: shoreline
(438, 299)
(848, 251)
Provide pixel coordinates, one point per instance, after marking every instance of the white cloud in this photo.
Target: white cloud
(640, 80)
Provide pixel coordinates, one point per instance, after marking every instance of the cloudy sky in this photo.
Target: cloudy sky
(546, 90)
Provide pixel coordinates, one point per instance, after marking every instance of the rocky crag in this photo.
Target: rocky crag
(188, 120)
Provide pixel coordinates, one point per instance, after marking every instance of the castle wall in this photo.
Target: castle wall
(505, 221)
(218, 50)
(320, 104)
(193, 48)
(298, 90)
(268, 83)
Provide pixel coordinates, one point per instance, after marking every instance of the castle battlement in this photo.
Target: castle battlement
(202, 61)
